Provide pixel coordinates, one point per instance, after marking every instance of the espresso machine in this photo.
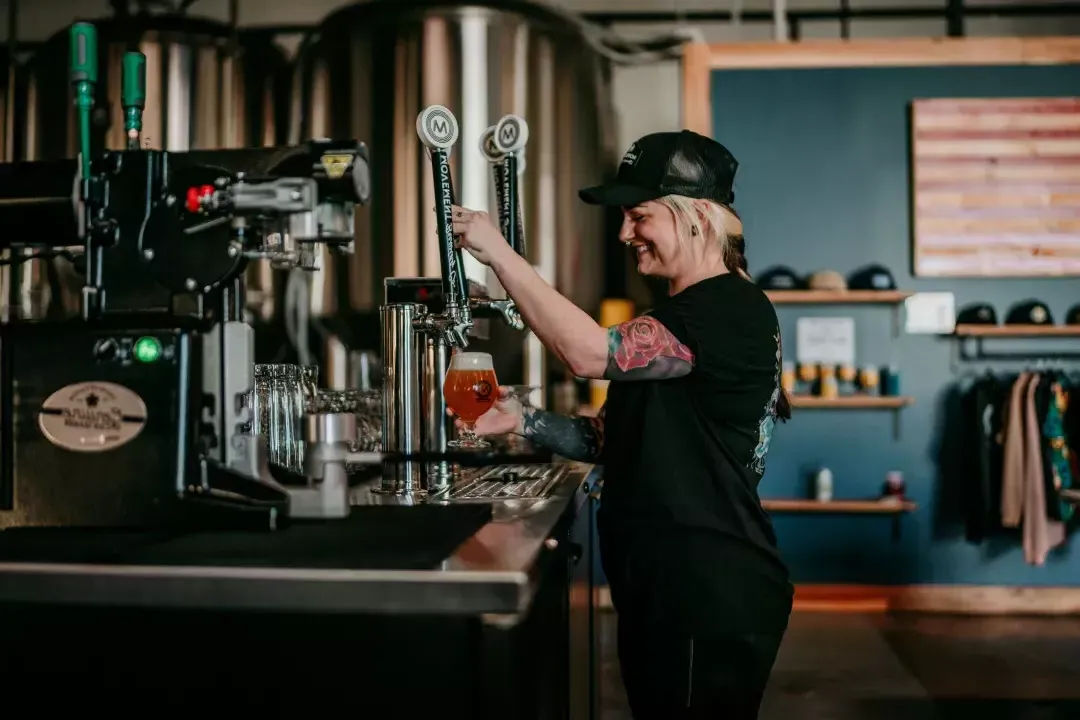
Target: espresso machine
(133, 414)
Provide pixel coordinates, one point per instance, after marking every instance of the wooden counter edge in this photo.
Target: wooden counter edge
(941, 599)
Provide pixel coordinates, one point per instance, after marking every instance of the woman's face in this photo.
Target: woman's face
(650, 230)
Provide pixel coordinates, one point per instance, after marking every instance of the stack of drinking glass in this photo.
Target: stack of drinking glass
(284, 393)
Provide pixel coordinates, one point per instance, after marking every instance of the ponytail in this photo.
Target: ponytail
(735, 255)
(783, 406)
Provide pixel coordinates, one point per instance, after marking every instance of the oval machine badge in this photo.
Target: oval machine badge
(92, 417)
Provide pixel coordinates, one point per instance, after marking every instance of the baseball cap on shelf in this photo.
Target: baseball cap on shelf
(780, 277)
(669, 163)
(1072, 317)
(827, 280)
(1029, 312)
(872, 277)
(977, 314)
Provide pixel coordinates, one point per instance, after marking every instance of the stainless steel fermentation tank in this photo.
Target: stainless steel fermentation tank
(207, 88)
(369, 69)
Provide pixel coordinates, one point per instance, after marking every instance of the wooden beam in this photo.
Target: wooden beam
(898, 52)
(700, 59)
(696, 93)
(941, 599)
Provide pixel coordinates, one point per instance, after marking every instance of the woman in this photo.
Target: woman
(702, 596)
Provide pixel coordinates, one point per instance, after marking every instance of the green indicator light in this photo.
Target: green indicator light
(147, 349)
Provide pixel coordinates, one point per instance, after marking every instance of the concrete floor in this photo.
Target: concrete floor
(908, 667)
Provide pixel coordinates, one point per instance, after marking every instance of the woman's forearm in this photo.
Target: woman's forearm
(563, 327)
(575, 438)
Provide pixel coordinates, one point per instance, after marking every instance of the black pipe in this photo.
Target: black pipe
(845, 21)
(753, 16)
(954, 18)
(9, 110)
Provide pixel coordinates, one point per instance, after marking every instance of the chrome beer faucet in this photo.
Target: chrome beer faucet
(417, 343)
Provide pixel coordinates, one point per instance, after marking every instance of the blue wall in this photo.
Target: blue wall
(823, 183)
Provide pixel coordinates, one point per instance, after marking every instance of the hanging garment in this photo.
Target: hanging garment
(983, 406)
(1013, 461)
(1058, 456)
(1043, 393)
(1041, 534)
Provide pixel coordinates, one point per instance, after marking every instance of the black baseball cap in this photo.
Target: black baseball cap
(1029, 312)
(872, 277)
(780, 277)
(669, 163)
(979, 313)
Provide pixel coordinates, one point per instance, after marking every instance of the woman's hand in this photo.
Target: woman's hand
(477, 233)
(505, 416)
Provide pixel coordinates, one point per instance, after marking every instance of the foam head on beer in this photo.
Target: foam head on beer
(471, 387)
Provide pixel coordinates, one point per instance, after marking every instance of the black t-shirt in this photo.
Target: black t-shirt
(683, 457)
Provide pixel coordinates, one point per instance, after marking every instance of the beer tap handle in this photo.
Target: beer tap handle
(437, 129)
(498, 171)
(510, 136)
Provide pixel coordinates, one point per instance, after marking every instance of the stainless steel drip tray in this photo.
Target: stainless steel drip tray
(506, 482)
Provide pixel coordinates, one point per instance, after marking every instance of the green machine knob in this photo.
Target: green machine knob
(84, 65)
(133, 95)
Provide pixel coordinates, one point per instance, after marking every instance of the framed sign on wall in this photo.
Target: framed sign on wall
(996, 187)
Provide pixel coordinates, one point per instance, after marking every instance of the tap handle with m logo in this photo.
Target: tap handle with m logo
(503, 145)
(437, 129)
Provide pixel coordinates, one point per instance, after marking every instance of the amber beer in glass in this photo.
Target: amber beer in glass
(470, 389)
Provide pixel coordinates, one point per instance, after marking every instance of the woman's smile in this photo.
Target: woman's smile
(644, 252)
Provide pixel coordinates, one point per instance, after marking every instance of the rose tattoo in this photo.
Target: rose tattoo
(643, 348)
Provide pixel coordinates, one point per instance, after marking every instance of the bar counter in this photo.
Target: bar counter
(501, 628)
(494, 571)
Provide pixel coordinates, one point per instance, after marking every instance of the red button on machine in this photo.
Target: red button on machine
(196, 196)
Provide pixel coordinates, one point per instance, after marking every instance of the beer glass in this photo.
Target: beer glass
(470, 390)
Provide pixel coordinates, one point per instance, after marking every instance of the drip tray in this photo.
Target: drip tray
(506, 482)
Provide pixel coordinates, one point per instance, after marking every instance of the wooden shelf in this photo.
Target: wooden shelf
(838, 297)
(1017, 331)
(852, 402)
(853, 507)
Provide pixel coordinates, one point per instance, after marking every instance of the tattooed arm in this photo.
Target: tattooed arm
(641, 349)
(575, 438)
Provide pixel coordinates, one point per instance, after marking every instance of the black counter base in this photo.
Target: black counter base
(282, 665)
(296, 664)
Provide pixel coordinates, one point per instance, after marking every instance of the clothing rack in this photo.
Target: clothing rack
(970, 342)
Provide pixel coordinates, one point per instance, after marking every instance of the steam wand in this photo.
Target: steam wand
(133, 97)
(438, 131)
(84, 72)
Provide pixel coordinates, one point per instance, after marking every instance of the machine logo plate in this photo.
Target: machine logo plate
(92, 417)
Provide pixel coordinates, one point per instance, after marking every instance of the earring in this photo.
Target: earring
(693, 230)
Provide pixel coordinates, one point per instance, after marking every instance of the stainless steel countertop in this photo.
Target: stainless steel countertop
(493, 572)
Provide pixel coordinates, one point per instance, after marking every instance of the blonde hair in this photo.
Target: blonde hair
(710, 221)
